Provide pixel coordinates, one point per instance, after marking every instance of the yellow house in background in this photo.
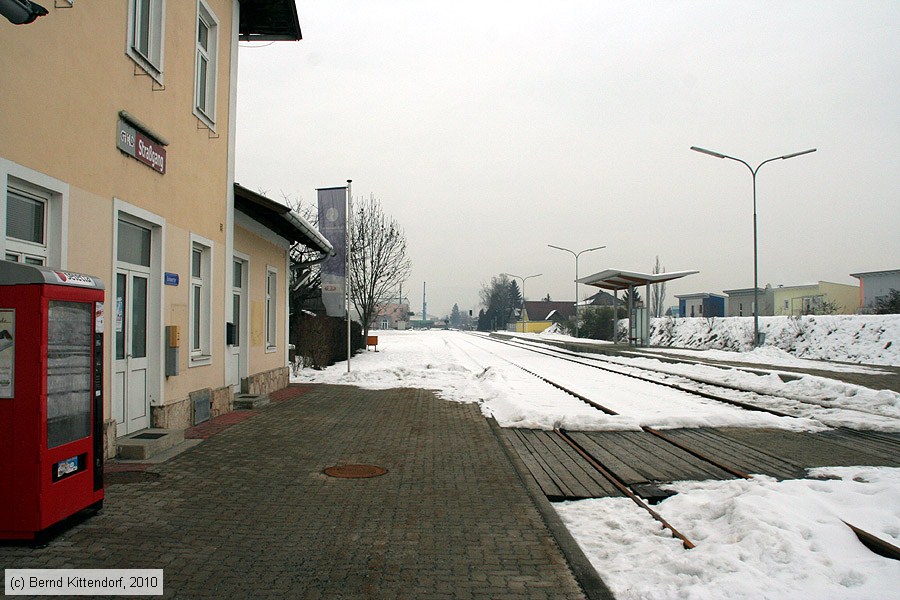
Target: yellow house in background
(530, 326)
(538, 315)
(812, 299)
(117, 149)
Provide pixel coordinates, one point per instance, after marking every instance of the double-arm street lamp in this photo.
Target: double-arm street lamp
(753, 172)
(576, 255)
(524, 279)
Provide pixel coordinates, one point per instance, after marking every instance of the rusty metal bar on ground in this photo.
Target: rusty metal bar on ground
(875, 543)
(622, 487)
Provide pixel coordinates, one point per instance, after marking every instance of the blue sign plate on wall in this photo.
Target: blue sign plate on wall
(171, 278)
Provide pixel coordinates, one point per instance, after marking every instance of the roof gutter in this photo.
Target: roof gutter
(324, 246)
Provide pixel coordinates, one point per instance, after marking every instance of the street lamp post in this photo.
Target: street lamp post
(524, 279)
(576, 255)
(753, 172)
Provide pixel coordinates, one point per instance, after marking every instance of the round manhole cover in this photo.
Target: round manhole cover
(125, 477)
(354, 471)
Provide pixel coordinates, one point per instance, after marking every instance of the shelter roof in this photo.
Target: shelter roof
(269, 20)
(280, 219)
(617, 279)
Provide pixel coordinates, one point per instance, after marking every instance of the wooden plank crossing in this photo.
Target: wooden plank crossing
(638, 457)
(734, 454)
(643, 461)
(561, 472)
(884, 446)
(832, 448)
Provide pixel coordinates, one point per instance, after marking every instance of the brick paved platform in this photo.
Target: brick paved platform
(218, 424)
(248, 513)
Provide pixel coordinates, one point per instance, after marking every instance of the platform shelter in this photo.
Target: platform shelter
(638, 316)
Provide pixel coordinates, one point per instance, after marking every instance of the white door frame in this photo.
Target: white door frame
(155, 375)
(238, 367)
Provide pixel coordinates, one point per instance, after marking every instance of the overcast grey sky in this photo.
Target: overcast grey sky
(491, 129)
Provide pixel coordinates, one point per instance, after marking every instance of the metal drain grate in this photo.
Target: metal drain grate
(147, 436)
(355, 471)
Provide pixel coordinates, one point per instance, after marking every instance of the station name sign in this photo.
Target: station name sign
(134, 143)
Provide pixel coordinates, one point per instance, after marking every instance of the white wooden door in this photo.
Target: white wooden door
(131, 407)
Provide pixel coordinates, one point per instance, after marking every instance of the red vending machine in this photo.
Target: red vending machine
(51, 397)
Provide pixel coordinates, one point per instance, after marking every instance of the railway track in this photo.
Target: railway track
(697, 386)
(606, 465)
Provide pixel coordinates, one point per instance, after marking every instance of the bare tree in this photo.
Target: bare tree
(378, 260)
(658, 293)
(499, 302)
(305, 276)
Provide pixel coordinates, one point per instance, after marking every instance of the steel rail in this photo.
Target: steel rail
(622, 487)
(651, 430)
(674, 386)
(715, 384)
(872, 542)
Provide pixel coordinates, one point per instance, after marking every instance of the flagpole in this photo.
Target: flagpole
(347, 281)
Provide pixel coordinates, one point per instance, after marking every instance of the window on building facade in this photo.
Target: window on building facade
(205, 86)
(200, 301)
(145, 34)
(271, 304)
(26, 225)
(237, 296)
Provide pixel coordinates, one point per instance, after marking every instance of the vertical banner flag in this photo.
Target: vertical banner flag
(333, 225)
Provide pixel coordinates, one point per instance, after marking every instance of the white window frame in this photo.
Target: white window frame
(55, 195)
(152, 60)
(271, 309)
(29, 251)
(200, 334)
(207, 111)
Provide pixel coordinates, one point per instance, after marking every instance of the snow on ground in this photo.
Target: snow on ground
(790, 341)
(757, 538)
(869, 339)
(832, 402)
(638, 403)
(458, 370)
(764, 355)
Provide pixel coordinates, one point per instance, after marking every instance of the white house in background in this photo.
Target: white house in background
(741, 302)
(876, 284)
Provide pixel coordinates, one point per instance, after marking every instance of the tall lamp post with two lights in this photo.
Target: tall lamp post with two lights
(576, 255)
(524, 279)
(753, 172)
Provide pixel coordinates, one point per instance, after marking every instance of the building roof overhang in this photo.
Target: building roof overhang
(269, 21)
(875, 273)
(617, 279)
(699, 295)
(280, 219)
(746, 291)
